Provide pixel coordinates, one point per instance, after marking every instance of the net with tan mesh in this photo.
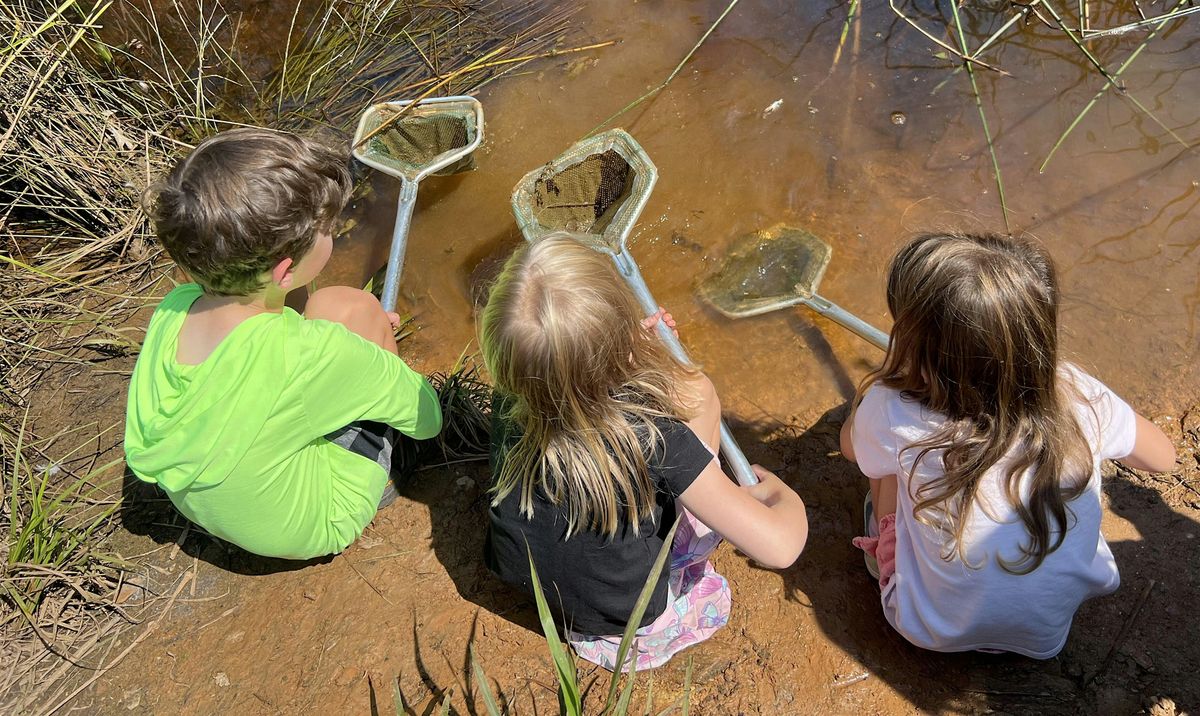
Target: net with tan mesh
(418, 139)
(585, 196)
(766, 270)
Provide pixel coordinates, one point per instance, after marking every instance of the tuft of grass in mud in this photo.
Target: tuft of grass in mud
(572, 696)
(338, 58)
(59, 592)
(466, 403)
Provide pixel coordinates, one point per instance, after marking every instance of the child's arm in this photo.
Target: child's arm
(847, 444)
(766, 521)
(1152, 449)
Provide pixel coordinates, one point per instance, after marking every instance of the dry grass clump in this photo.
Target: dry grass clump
(87, 121)
(58, 592)
(76, 150)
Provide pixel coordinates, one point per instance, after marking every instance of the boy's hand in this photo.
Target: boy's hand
(393, 318)
(649, 322)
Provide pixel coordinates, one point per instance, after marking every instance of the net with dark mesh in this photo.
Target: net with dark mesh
(767, 269)
(585, 196)
(418, 139)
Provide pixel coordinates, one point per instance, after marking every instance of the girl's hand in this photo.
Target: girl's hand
(767, 491)
(649, 322)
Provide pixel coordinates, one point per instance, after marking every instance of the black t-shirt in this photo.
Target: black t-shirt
(590, 580)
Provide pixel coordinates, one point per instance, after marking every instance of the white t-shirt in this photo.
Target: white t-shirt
(949, 606)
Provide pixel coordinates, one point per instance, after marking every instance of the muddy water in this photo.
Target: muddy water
(760, 128)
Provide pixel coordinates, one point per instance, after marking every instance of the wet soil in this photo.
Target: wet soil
(406, 601)
(757, 130)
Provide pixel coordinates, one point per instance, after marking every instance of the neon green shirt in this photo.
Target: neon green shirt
(237, 441)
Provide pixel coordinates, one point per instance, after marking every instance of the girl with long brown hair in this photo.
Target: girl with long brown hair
(600, 439)
(983, 449)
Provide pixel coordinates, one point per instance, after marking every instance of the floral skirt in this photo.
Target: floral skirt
(698, 605)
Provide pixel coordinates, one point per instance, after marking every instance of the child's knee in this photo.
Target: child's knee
(343, 304)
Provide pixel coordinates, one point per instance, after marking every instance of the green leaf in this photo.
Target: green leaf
(489, 698)
(635, 618)
(687, 688)
(398, 698)
(649, 696)
(568, 680)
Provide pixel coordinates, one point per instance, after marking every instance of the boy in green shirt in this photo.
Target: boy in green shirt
(269, 429)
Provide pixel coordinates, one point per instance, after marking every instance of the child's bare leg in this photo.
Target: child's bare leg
(701, 396)
(357, 310)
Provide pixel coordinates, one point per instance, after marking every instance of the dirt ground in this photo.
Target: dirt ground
(248, 635)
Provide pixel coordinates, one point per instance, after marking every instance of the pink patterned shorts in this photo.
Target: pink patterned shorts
(698, 603)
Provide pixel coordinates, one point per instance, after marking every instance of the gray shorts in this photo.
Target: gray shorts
(374, 441)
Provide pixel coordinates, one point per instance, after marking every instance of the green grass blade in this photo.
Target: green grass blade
(987, 132)
(398, 701)
(649, 696)
(1110, 79)
(446, 705)
(687, 688)
(850, 12)
(489, 698)
(564, 666)
(635, 618)
(1096, 98)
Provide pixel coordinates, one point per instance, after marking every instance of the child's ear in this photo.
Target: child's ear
(281, 274)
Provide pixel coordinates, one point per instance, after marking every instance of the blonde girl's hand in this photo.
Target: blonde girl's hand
(649, 322)
(769, 487)
(766, 521)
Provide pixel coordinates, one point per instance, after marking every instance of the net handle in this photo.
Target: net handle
(847, 320)
(628, 269)
(395, 262)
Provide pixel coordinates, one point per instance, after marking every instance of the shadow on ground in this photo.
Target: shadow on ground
(1156, 656)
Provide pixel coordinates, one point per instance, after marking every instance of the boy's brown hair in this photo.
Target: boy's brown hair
(243, 201)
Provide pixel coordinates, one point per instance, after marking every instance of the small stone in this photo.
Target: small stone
(310, 596)
(222, 679)
(899, 118)
(464, 483)
(235, 637)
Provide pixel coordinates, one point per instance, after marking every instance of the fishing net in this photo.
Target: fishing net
(767, 270)
(595, 189)
(421, 137)
(583, 198)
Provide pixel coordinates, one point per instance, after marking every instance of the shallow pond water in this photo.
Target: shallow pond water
(760, 127)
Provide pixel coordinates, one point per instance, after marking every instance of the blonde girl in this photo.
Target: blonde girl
(983, 449)
(600, 440)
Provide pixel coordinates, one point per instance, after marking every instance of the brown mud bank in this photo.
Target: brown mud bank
(264, 637)
(761, 127)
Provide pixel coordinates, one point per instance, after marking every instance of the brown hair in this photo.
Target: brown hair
(976, 340)
(243, 201)
(562, 337)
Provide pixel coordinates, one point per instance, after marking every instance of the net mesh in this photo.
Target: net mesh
(418, 139)
(768, 269)
(585, 196)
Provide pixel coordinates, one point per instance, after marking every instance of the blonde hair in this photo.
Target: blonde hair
(582, 383)
(976, 339)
